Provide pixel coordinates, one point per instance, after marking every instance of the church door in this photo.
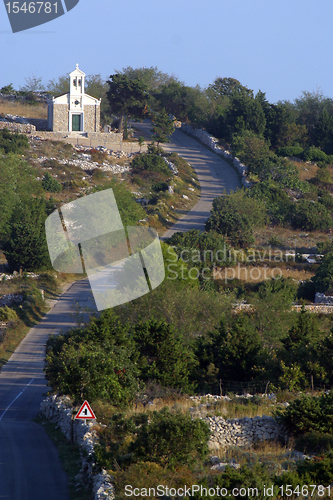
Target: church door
(76, 123)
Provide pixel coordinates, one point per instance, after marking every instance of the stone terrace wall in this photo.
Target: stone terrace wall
(59, 410)
(243, 431)
(23, 128)
(211, 142)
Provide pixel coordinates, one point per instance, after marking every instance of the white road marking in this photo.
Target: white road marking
(16, 398)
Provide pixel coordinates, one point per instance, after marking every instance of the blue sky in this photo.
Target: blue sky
(280, 47)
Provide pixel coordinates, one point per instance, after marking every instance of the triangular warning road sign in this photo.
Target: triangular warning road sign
(85, 412)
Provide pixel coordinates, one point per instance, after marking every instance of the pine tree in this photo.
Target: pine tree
(26, 247)
(163, 127)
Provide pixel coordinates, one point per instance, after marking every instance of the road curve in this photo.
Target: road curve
(214, 175)
(30, 468)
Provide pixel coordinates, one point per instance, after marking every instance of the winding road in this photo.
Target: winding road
(30, 468)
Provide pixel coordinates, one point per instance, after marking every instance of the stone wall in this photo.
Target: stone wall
(243, 431)
(60, 117)
(59, 410)
(23, 128)
(91, 118)
(315, 308)
(211, 142)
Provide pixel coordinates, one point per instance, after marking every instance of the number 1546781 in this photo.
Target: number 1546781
(32, 7)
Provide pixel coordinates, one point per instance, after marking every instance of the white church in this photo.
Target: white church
(74, 111)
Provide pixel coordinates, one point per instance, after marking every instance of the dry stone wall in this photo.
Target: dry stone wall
(59, 410)
(22, 128)
(243, 431)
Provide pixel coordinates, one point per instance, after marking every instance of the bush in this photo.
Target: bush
(315, 154)
(7, 314)
(171, 439)
(236, 215)
(290, 151)
(311, 215)
(149, 162)
(160, 186)
(276, 200)
(13, 142)
(50, 184)
(201, 250)
(308, 414)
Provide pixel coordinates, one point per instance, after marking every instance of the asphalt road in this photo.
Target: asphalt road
(30, 468)
(214, 175)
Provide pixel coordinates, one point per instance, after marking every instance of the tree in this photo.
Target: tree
(188, 104)
(97, 362)
(151, 77)
(233, 349)
(141, 141)
(26, 247)
(323, 278)
(59, 86)
(323, 132)
(33, 84)
(127, 97)
(163, 127)
(17, 183)
(163, 356)
(270, 306)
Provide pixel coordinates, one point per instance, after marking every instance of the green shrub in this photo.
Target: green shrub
(290, 151)
(309, 414)
(7, 314)
(311, 215)
(274, 198)
(50, 184)
(150, 162)
(236, 215)
(13, 142)
(171, 439)
(315, 154)
(160, 186)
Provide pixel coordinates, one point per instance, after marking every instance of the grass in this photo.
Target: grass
(26, 110)
(70, 457)
(261, 271)
(270, 454)
(31, 312)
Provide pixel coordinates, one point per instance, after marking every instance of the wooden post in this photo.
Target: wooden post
(312, 382)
